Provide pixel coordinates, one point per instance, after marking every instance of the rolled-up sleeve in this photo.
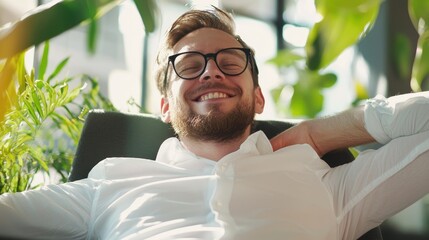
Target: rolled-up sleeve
(382, 182)
(398, 116)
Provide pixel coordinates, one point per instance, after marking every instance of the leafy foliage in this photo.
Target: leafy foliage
(419, 14)
(41, 115)
(344, 23)
(307, 97)
(41, 110)
(56, 17)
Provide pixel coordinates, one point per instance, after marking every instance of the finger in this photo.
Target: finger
(277, 142)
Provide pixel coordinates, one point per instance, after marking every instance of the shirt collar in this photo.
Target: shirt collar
(172, 152)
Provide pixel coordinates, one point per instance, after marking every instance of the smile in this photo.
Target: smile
(212, 95)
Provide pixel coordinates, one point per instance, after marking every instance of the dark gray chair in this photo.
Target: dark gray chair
(114, 134)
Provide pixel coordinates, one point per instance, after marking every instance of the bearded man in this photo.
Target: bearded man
(218, 180)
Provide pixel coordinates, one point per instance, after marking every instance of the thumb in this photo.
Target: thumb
(278, 142)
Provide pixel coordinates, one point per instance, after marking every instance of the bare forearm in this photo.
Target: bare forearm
(343, 130)
(379, 120)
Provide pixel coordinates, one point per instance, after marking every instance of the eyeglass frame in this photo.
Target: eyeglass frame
(207, 57)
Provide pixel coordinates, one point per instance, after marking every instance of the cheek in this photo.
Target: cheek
(248, 86)
(247, 79)
(177, 91)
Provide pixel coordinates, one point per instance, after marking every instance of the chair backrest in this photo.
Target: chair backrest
(115, 134)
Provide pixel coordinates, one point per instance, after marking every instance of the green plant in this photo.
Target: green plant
(56, 17)
(343, 24)
(419, 14)
(307, 98)
(42, 109)
(346, 22)
(41, 116)
(52, 19)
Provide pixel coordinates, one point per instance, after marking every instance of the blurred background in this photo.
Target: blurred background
(124, 53)
(122, 62)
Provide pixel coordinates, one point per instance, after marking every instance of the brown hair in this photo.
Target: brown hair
(187, 23)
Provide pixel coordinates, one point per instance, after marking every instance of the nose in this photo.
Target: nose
(212, 71)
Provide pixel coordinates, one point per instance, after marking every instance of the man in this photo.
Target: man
(218, 180)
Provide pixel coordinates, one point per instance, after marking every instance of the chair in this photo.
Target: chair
(115, 134)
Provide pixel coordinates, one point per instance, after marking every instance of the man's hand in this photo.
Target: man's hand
(342, 130)
(298, 134)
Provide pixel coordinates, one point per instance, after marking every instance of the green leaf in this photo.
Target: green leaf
(35, 153)
(43, 102)
(43, 62)
(31, 111)
(7, 87)
(36, 102)
(21, 72)
(41, 24)
(419, 14)
(57, 70)
(146, 9)
(420, 71)
(92, 27)
(306, 102)
(307, 99)
(27, 120)
(361, 93)
(343, 23)
(285, 58)
(74, 94)
(92, 36)
(402, 55)
(326, 80)
(23, 139)
(276, 92)
(48, 21)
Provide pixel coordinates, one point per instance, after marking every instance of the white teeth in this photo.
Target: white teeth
(213, 95)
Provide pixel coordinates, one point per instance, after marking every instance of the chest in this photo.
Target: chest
(240, 201)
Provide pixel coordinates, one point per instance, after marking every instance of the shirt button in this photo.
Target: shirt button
(223, 167)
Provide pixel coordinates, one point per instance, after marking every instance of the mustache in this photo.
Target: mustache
(214, 85)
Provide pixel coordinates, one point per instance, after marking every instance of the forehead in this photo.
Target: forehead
(206, 40)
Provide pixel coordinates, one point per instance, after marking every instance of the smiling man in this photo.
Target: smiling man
(210, 99)
(219, 180)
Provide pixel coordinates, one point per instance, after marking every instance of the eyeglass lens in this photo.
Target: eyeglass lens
(229, 61)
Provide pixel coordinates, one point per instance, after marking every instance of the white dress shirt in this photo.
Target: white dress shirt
(253, 193)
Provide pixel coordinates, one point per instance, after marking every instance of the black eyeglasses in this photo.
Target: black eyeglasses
(190, 65)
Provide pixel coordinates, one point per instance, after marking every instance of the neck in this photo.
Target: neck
(213, 150)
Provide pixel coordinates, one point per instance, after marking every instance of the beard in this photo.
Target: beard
(216, 125)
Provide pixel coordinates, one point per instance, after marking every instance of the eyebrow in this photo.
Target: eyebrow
(215, 51)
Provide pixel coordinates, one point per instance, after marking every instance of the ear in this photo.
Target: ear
(259, 100)
(165, 110)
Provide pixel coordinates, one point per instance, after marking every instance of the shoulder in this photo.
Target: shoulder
(119, 167)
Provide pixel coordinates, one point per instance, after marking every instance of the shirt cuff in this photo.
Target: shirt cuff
(397, 116)
(373, 124)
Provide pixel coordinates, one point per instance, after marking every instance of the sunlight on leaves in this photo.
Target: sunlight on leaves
(349, 19)
(42, 124)
(419, 14)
